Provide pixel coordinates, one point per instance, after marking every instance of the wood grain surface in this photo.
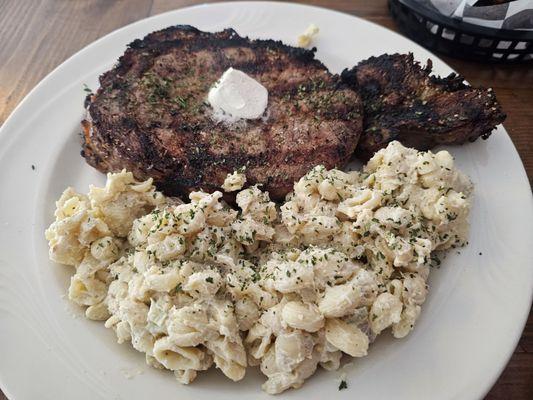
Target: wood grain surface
(38, 35)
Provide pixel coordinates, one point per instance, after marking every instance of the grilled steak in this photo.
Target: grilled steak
(149, 114)
(403, 102)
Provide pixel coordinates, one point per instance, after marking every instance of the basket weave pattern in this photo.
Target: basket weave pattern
(460, 39)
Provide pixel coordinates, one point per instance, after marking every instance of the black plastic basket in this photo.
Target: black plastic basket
(460, 39)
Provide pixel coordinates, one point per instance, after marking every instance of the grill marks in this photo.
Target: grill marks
(149, 114)
(403, 102)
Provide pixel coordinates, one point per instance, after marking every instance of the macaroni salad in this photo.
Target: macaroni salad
(288, 288)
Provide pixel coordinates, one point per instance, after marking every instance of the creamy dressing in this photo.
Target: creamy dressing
(237, 96)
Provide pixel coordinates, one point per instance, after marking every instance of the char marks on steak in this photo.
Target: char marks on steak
(149, 114)
(403, 102)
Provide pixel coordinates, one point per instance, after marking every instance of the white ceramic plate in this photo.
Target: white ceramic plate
(469, 326)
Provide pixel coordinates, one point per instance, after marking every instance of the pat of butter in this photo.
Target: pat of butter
(237, 96)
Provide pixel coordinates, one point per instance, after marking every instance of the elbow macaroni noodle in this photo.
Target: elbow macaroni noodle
(288, 288)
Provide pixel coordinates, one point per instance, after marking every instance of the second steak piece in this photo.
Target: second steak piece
(403, 102)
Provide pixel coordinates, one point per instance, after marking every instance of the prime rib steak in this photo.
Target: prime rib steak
(150, 116)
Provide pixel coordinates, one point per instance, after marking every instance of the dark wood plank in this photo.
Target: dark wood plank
(37, 35)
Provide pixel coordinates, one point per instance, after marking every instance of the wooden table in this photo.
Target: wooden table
(37, 35)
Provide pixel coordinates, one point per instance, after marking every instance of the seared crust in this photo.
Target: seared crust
(403, 102)
(149, 114)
